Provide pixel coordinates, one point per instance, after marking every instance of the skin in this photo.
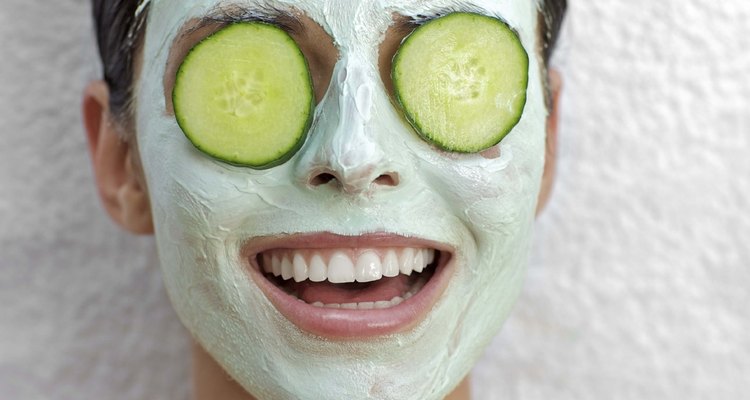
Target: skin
(212, 382)
(122, 182)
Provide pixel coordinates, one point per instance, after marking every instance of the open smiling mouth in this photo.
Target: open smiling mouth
(334, 290)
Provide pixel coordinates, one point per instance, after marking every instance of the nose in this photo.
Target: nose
(357, 182)
(345, 143)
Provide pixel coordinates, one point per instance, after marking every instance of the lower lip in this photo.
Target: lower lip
(340, 323)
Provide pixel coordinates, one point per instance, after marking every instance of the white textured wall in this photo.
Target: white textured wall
(640, 278)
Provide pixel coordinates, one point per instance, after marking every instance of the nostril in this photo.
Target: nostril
(322, 179)
(389, 179)
(354, 182)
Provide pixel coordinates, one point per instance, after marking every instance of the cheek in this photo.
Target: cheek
(486, 194)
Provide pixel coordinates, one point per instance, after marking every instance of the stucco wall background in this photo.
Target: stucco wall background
(639, 281)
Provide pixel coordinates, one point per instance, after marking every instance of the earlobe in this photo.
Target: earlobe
(121, 187)
(550, 156)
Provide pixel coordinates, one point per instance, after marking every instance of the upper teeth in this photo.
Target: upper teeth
(345, 265)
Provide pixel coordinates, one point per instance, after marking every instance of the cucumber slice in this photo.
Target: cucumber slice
(461, 81)
(244, 95)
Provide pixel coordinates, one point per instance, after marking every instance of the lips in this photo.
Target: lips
(350, 287)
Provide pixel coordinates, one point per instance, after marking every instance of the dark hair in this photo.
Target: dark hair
(119, 26)
(119, 32)
(550, 21)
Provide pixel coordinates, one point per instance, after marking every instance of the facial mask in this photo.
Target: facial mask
(207, 214)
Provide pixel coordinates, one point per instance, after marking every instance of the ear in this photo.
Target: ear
(550, 156)
(121, 185)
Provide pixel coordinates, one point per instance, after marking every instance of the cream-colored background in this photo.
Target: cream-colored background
(640, 277)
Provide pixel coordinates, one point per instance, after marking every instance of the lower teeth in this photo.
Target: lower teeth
(369, 305)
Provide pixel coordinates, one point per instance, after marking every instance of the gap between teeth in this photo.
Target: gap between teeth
(345, 265)
(370, 305)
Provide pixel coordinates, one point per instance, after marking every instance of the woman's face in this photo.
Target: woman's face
(364, 199)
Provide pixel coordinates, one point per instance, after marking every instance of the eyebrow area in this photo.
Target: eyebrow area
(458, 7)
(234, 13)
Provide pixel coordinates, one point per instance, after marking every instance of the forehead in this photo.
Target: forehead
(352, 24)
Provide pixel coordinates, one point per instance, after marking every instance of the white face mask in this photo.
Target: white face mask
(211, 218)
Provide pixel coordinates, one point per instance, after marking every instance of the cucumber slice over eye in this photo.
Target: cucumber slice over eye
(244, 95)
(461, 81)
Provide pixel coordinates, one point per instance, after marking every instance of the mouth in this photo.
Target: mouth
(351, 287)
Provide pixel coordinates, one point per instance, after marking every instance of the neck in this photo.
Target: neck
(211, 382)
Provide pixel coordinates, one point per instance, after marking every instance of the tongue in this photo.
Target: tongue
(384, 289)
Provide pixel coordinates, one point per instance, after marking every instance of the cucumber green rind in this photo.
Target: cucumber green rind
(244, 95)
(461, 81)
